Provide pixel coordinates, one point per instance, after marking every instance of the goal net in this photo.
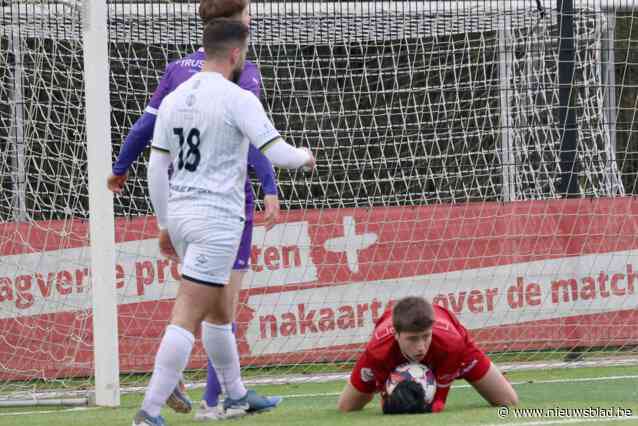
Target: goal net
(441, 150)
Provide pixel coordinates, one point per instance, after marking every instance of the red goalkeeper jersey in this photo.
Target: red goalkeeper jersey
(452, 355)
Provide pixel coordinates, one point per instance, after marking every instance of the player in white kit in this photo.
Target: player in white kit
(203, 129)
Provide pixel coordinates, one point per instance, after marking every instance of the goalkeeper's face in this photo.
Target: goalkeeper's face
(414, 344)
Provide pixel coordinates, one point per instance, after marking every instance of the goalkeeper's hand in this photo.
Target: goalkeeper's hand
(116, 183)
(408, 397)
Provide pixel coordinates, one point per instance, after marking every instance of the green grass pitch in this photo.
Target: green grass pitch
(314, 404)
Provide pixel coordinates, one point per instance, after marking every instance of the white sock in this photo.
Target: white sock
(170, 361)
(221, 347)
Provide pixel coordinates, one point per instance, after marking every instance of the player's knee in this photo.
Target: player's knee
(187, 320)
(186, 323)
(220, 316)
(226, 315)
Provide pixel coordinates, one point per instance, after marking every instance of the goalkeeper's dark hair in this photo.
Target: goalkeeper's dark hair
(222, 34)
(408, 397)
(412, 314)
(211, 9)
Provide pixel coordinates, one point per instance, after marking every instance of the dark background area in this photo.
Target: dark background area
(398, 111)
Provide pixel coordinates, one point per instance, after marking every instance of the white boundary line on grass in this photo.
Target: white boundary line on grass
(24, 413)
(539, 382)
(576, 380)
(563, 421)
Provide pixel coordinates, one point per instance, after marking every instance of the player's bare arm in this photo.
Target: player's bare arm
(495, 388)
(352, 399)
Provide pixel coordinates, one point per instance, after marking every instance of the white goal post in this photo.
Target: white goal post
(101, 215)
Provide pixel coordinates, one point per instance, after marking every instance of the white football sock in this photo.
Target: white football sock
(170, 361)
(221, 347)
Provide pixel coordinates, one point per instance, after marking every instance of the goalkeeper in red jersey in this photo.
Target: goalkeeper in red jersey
(416, 331)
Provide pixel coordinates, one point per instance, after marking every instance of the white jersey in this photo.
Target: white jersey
(206, 125)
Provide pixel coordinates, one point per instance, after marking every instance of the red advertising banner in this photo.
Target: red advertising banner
(521, 276)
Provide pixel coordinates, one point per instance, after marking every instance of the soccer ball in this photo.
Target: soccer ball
(415, 372)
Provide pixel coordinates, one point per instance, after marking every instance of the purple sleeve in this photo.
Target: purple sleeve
(250, 79)
(136, 141)
(141, 133)
(263, 169)
(164, 87)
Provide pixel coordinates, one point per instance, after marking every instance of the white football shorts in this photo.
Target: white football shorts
(205, 238)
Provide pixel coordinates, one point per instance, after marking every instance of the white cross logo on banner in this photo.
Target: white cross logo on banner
(351, 243)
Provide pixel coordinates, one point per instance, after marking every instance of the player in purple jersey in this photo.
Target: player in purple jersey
(139, 138)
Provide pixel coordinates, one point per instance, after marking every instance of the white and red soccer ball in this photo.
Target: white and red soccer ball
(416, 372)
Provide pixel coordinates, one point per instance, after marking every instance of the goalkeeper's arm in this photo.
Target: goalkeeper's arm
(440, 396)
